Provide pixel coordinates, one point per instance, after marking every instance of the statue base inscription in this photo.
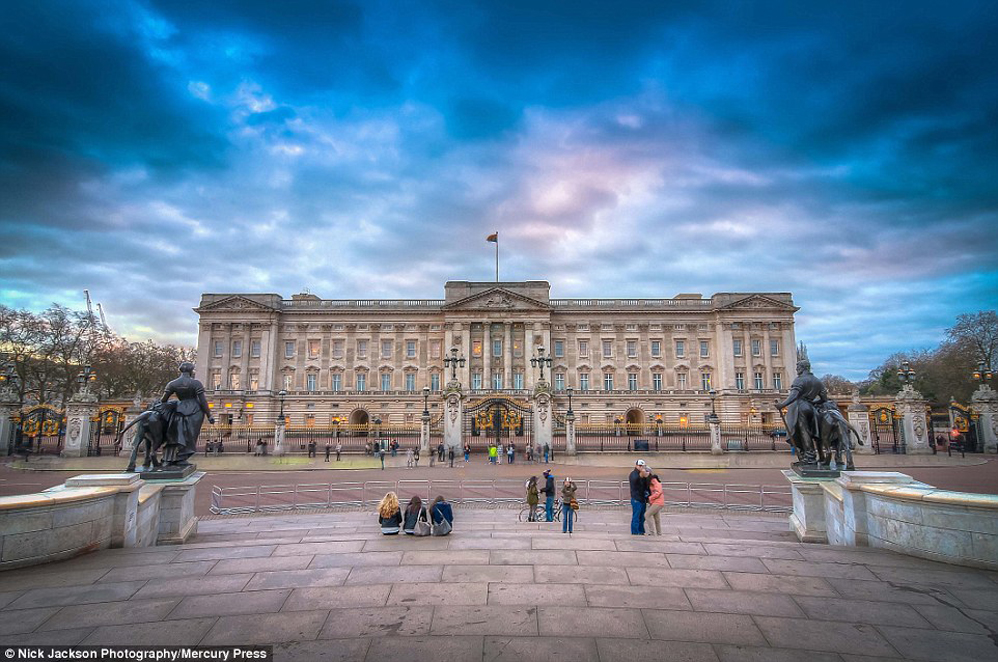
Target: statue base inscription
(170, 473)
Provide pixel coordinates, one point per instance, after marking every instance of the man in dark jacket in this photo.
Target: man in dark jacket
(639, 498)
(548, 492)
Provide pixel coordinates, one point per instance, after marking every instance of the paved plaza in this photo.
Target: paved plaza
(329, 586)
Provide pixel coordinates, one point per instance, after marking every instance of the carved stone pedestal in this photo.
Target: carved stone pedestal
(911, 405)
(985, 401)
(80, 412)
(453, 415)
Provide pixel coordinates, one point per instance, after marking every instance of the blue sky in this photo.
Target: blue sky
(846, 152)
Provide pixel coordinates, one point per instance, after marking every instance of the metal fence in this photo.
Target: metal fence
(607, 493)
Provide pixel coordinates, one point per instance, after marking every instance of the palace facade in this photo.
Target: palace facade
(351, 361)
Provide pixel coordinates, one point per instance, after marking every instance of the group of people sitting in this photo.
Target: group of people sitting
(415, 521)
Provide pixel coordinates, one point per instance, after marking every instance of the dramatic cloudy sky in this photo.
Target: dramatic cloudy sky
(151, 150)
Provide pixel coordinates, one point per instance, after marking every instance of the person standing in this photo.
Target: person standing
(381, 456)
(530, 453)
(656, 502)
(467, 452)
(339, 449)
(408, 459)
(568, 504)
(548, 492)
(328, 450)
(638, 489)
(532, 499)
(440, 452)
(415, 458)
(450, 456)
(492, 454)
(510, 452)
(547, 451)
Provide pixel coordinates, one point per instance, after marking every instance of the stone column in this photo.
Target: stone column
(486, 355)
(985, 402)
(453, 416)
(570, 434)
(8, 407)
(911, 405)
(543, 416)
(859, 418)
(714, 423)
(80, 411)
(279, 437)
(424, 434)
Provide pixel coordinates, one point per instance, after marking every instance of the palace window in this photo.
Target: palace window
(559, 381)
(632, 381)
(361, 382)
(583, 348)
(434, 349)
(680, 349)
(774, 347)
(386, 381)
(740, 381)
(778, 380)
(255, 349)
(218, 348)
(704, 349)
(607, 348)
(288, 381)
(216, 379)
(237, 348)
(681, 381)
(758, 381)
(254, 380)
(518, 380)
(338, 349)
(410, 381)
(704, 381)
(313, 349)
(476, 381)
(737, 344)
(289, 349)
(476, 347)
(632, 348)
(310, 381)
(559, 348)
(336, 382)
(583, 381)
(517, 347)
(608, 381)
(656, 348)
(361, 349)
(310, 420)
(756, 347)
(497, 347)
(656, 381)
(386, 349)
(497, 381)
(410, 349)
(435, 382)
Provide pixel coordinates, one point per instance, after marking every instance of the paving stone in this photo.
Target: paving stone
(230, 604)
(732, 563)
(861, 611)
(743, 602)
(730, 653)
(426, 649)
(755, 551)
(337, 650)
(977, 599)
(573, 542)
(623, 559)
(265, 628)
(405, 543)
(110, 613)
(166, 571)
(489, 573)
(489, 543)
(548, 649)
(20, 621)
(681, 578)
(818, 569)
(537, 594)
(640, 544)
(942, 578)
(377, 622)
(656, 597)
(542, 557)
(379, 559)
(856, 638)
(884, 592)
(335, 597)
(956, 620)
(76, 595)
(744, 581)
(439, 594)
(395, 574)
(554, 621)
(215, 553)
(54, 638)
(867, 556)
(450, 556)
(23, 580)
(268, 564)
(917, 644)
(571, 574)
(312, 548)
(161, 633)
(8, 597)
(630, 650)
(489, 619)
(208, 585)
(702, 626)
(298, 578)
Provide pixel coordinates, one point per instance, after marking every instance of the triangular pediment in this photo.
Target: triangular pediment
(234, 302)
(756, 301)
(497, 298)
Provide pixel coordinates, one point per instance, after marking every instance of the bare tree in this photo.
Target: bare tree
(977, 332)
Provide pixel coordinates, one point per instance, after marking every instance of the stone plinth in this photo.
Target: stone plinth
(808, 518)
(126, 502)
(985, 401)
(80, 412)
(453, 415)
(859, 419)
(715, 435)
(7, 410)
(177, 522)
(543, 417)
(914, 425)
(570, 434)
(424, 434)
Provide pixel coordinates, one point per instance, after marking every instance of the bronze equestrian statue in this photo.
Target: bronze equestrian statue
(801, 418)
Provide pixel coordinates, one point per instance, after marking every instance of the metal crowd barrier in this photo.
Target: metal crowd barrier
(609, 493)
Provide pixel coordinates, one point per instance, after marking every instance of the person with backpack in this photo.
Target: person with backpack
(548, 493)
(568, 505)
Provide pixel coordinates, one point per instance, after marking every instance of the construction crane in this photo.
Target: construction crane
(100, 310)
(103, 320)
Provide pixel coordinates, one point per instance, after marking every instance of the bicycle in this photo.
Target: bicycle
(540, 514)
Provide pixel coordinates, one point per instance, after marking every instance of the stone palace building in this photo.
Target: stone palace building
(629, 361)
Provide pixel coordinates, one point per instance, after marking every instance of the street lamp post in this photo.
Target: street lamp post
(540, 361)
(713, 406)
(86, 377)
(282, 394)
(570, 391)
(906, 374)
(983, 373)
(454, 361)
(426, 396)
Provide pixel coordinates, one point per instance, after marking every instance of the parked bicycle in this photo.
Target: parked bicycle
(540, 514)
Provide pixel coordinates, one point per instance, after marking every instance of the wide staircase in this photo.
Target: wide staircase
(328, 586)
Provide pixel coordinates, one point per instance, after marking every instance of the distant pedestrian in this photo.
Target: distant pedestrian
(328, 451)
(207, 448)
(467, 452)
(381, 456)
(440, 452)
(339, 449)
(547, 451)
(510, 452)
(530, 453)
(415, 458)
(656, 502)
(492, 454)
(568, 505)
(433, 456)
(311, 448)
(548, 493)
(450, 456)
(639, 487)
(408, 459)
(532, 499)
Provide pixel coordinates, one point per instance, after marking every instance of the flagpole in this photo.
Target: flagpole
(497, 258)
